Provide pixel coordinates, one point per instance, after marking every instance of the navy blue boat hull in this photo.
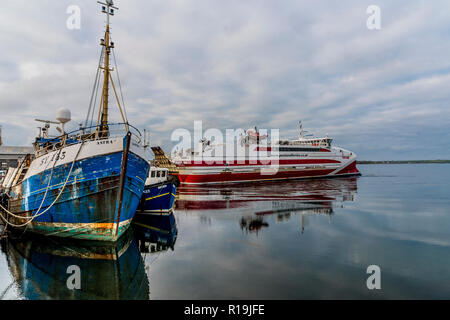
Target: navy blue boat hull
(158, 198)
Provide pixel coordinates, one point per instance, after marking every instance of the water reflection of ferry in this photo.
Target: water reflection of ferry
(40, 269)
(283, 193)
(254, 202)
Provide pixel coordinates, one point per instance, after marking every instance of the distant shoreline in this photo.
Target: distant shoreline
(402, 161)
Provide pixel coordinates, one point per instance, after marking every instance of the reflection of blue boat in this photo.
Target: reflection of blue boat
(159, 193)
(115, 271)
(155, 232)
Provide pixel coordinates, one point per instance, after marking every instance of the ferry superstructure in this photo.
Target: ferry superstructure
(84, 184)
(262, 160)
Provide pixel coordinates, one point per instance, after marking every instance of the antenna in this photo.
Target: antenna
(44, 130)
(108, 8)
(146, 140)
(301, 133)
(46, 121)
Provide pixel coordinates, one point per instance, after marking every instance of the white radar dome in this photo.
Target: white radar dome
(63, 115)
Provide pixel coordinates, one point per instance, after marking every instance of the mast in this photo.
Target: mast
(300, 130)
(107, 8)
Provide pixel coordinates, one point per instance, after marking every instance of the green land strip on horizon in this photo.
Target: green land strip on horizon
(401, 161)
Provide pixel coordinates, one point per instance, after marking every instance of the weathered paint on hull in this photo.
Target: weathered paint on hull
(83, 231)
(159, 198)
(88, 206)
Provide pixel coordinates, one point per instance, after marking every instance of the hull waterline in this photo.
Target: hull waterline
(256, 174)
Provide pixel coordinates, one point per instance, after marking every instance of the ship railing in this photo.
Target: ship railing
(321, 142)
(91, 133)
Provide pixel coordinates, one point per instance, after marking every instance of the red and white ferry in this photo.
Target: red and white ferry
(305, 157)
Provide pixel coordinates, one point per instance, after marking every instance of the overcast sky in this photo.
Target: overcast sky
(383, 94)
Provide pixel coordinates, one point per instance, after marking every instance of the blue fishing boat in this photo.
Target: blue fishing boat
(84, 184)
(159, 193)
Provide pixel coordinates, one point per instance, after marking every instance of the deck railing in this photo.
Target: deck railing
(92, 133)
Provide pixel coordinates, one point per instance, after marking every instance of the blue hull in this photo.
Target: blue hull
(88, 208)
(158, 198)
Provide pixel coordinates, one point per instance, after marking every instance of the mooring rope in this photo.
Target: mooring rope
(49, 181)
(45, 195)
(37, 214)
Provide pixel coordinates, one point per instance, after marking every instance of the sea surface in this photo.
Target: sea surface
(311, 239)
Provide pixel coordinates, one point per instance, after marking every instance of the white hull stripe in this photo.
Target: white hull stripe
(89, 149)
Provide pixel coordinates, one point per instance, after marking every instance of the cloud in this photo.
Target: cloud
(236, 64)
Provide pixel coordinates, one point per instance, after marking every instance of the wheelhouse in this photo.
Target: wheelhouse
(157, 175)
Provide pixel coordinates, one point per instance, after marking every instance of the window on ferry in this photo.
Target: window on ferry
(163, 174)
(153, 174)
(158, 174)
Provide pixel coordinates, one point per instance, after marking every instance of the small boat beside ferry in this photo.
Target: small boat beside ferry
(84, 184)
(159, 193)
(262, 160)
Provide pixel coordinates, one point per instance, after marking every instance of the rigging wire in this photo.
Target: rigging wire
(120, 85)
(94, 88)
(118, 103)
(2, 295)
(95, 101)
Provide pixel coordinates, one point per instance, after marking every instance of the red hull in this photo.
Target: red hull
(350, 169)
(225, 177)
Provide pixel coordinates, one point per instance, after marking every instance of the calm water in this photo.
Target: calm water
(296, 240)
